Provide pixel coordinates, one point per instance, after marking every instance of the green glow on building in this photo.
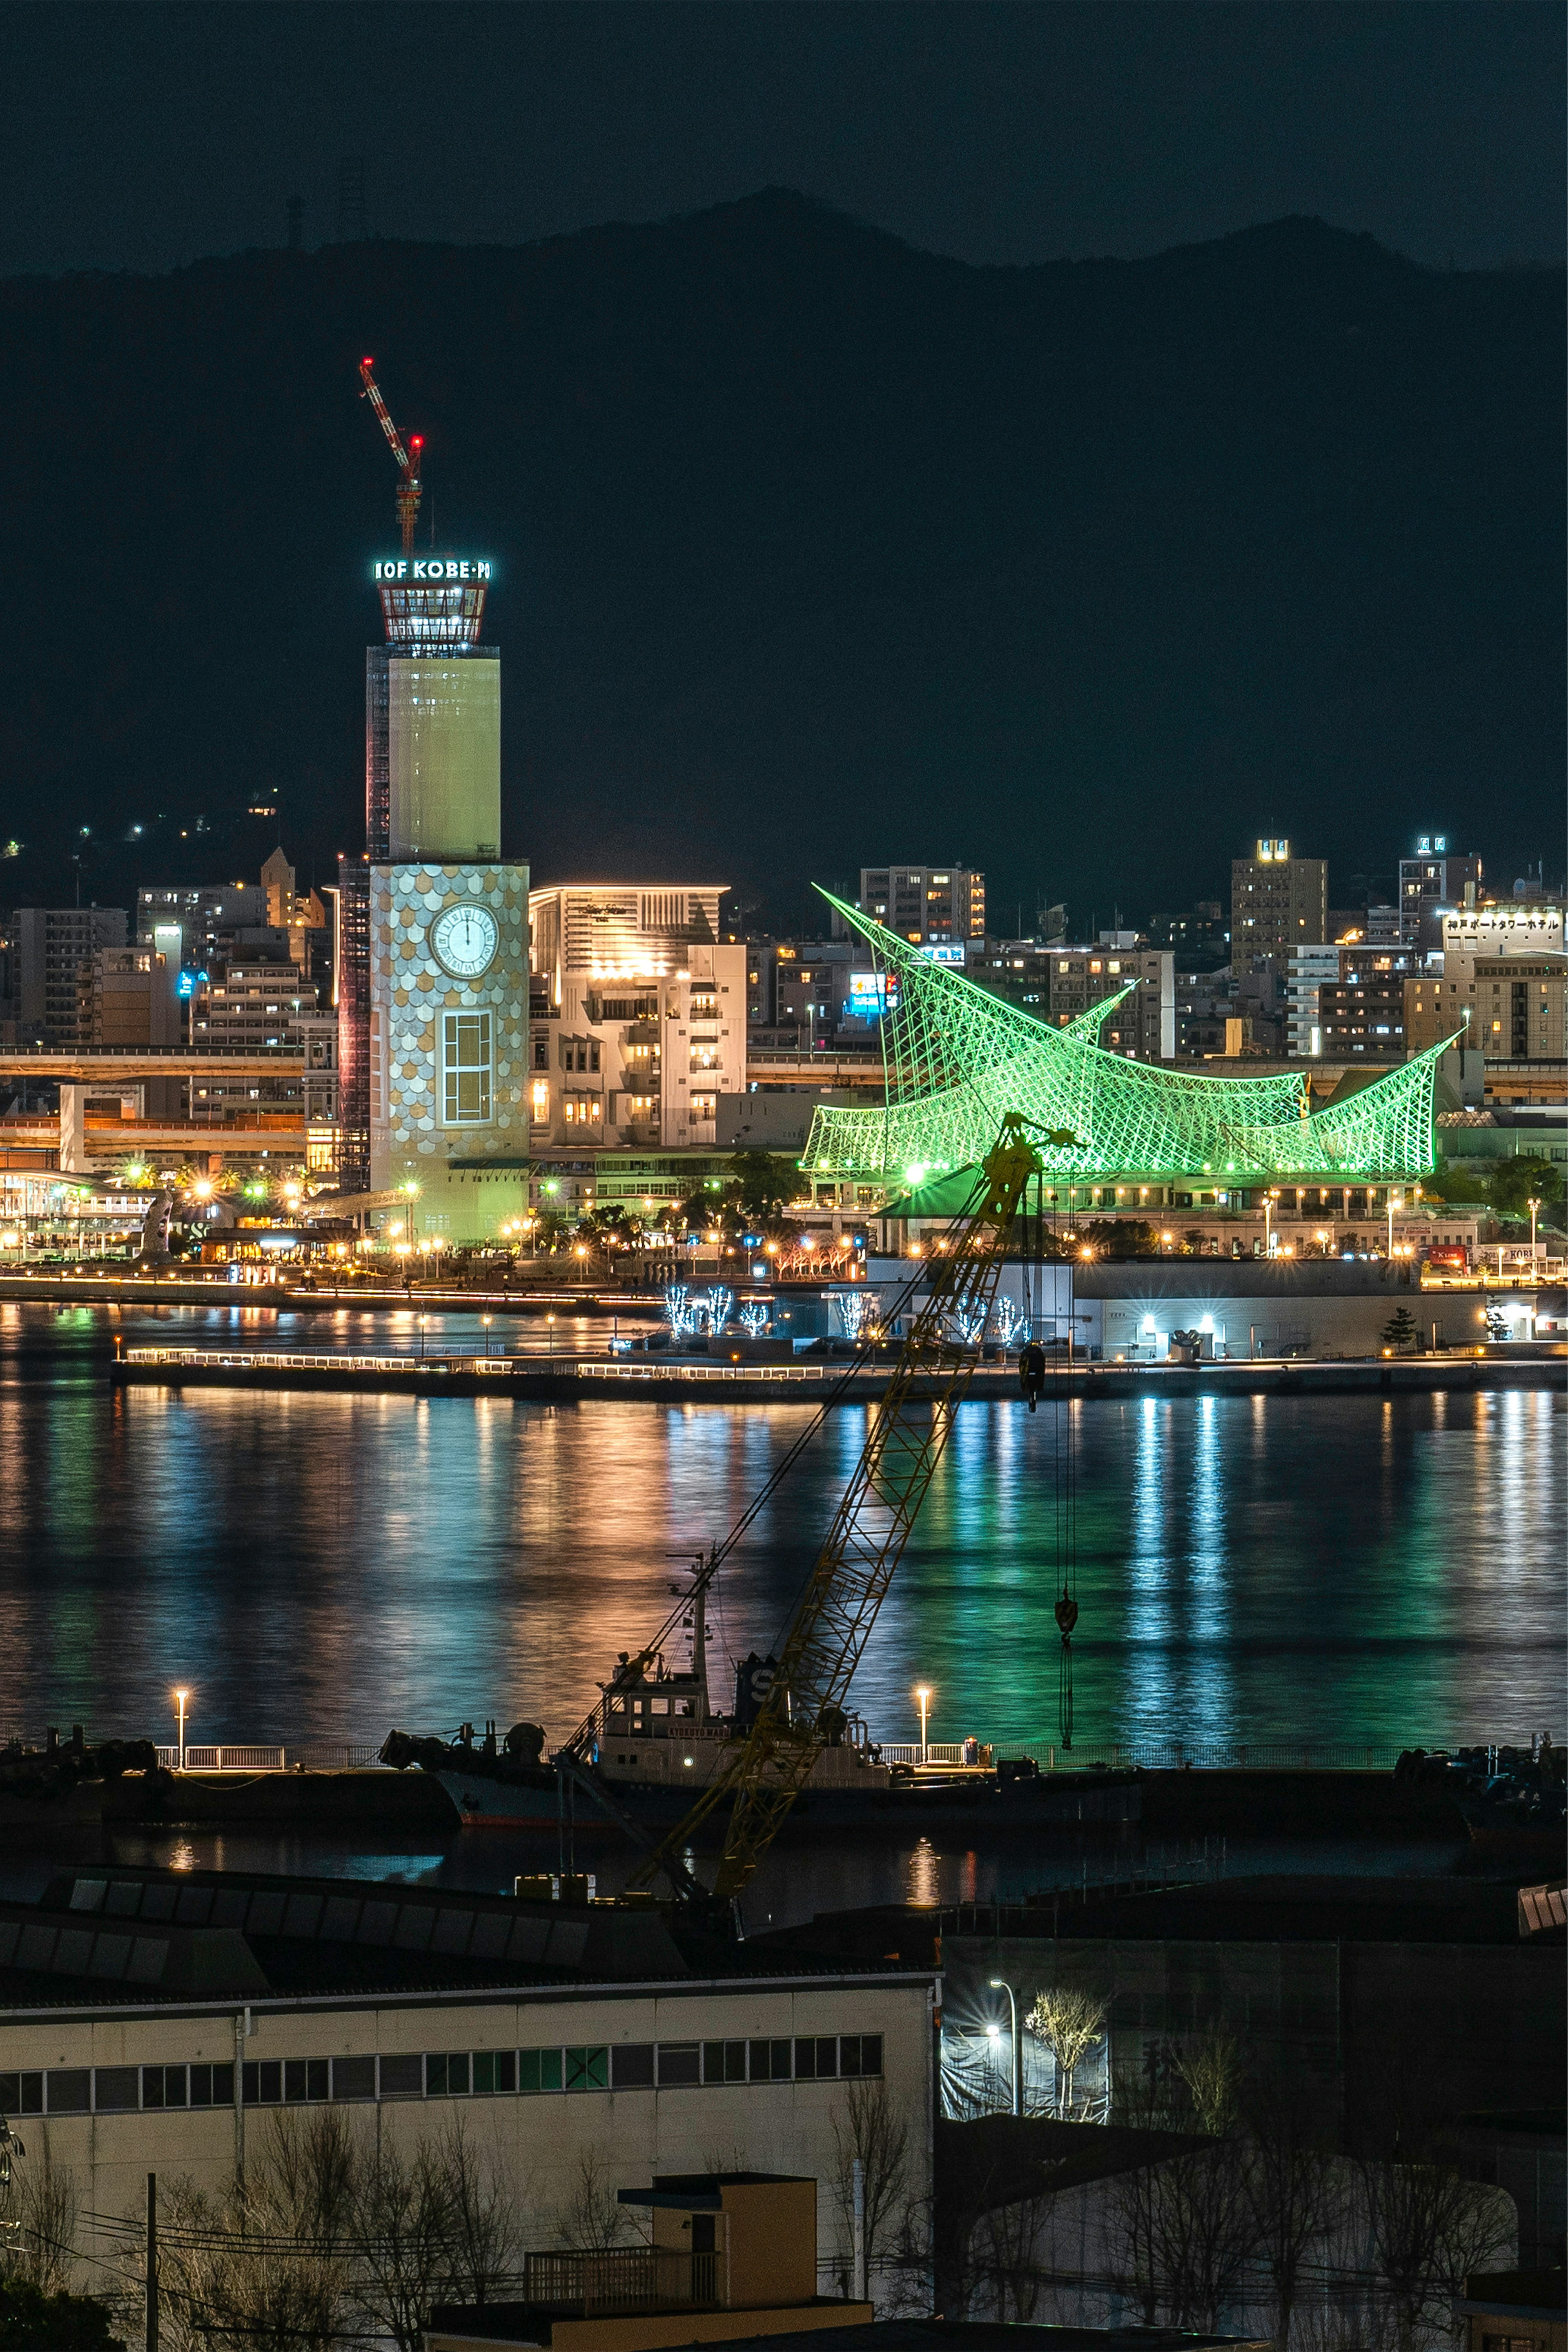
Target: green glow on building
(958, 1059)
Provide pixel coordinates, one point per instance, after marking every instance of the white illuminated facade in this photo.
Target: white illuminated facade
(448, 1044)
(637, 1016)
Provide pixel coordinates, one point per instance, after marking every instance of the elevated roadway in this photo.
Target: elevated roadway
(113, 1066)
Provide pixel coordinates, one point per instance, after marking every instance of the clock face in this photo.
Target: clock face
(463, 940)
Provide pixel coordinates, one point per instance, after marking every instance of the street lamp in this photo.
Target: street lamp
(487, 1320)
(180, 1698)
(1396, 1201)
(1269, 1200)
(923, 1694)
(1534, 1208)
(1000, 1984)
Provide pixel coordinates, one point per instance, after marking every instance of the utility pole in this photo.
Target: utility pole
(152, 2262)
(857, 2176)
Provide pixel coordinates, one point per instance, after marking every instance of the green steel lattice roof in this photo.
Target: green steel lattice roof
(958, 1059)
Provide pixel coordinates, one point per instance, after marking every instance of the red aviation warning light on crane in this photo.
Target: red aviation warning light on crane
(409, 460)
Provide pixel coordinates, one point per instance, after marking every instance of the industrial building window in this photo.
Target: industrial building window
(465, 1069)
(539, 2070)
(588, 2069)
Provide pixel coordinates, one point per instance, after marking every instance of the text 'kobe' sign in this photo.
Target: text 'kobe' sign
(433, 567)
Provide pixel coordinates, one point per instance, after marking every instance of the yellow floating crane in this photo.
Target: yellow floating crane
(834, 1617)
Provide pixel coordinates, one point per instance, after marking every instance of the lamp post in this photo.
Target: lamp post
(180, 1698)
(1000, 1984)
(1534, 1208)
(923, 1694)
(1396, 1201)
(1269, 1200)
(487, 1320)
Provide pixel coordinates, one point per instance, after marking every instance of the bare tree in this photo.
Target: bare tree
(1294, 2189)
(484, 2219)
(1428, 2227)
(589, 2216)
(1133, 2197)
(870, 2128)
(37, 2223)
(403, 2232)
(1069, 2020)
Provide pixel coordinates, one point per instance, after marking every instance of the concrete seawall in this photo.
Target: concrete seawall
(584, 1381)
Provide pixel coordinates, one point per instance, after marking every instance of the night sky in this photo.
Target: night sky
(141, 137)
(876, 515)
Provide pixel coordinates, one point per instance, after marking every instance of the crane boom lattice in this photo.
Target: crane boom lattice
(834, 1618)
(409, 460)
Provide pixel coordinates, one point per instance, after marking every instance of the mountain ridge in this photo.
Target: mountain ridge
(805, 539)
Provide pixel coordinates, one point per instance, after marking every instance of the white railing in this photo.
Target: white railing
(650, 1371)
(351, 1757)
(265, 1359)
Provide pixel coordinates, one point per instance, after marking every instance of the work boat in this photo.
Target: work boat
(655, 1740)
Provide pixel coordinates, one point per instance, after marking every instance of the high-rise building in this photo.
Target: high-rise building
(1433, 879)
(52, 944)
(444, 995)
(1277, 902)
(929, 905)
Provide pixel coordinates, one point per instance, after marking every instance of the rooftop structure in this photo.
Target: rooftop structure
(957, 1059)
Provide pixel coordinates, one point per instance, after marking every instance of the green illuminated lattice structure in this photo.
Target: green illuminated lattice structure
(958, 1059)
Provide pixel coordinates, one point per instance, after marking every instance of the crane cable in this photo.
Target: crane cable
(1065, 1489)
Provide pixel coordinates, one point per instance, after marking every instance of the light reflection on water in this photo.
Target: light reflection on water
(1335, 1570)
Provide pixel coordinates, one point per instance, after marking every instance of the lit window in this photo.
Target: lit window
(539, 1102)
(465, 1069)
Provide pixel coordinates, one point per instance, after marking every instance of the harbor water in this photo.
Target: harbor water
(1327, 1571)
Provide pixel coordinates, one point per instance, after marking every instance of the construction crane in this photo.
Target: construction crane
(409, 460)
(832, 1620)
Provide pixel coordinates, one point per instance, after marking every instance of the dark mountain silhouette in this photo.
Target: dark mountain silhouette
(812, 549)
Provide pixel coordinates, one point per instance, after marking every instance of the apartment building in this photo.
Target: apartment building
(637, 1017)
(1143, 1026)
(929, 905)
(50, 946)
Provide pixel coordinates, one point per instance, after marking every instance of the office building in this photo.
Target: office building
(1277, 902)
(52, 946)
(927, 905)
(1430, 881)
(636, 1016)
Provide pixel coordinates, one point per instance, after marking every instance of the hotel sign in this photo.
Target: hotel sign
(432, 567)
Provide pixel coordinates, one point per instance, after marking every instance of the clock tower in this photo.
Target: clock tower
(447, 923)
